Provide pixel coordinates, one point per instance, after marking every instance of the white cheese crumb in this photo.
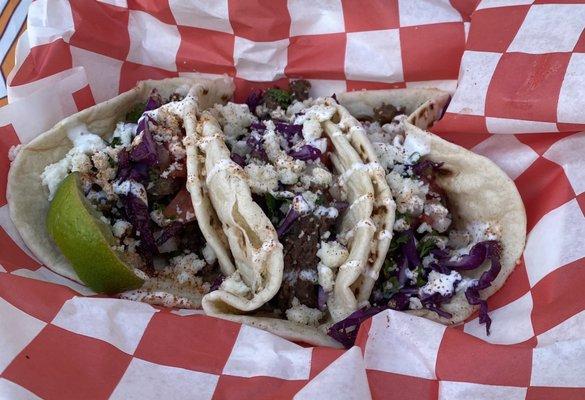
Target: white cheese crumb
(302, 314)
(414, 303)
(262, 178)
(130, 186)
(441, 283)
(120, 227)
(125, 131)
(186, 267)
(332, 254)
(326, 277)
(309, 275)
(312, 129)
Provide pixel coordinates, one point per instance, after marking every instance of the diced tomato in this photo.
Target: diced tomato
(180, 207)
(425, 218)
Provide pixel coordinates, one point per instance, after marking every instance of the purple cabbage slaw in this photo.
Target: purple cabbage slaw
(345, 331)
(134, 165)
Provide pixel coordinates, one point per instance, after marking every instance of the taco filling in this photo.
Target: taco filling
(278, 140)
(135, 181)
(430, 257)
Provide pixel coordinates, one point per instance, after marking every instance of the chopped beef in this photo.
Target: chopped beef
(301, 243)
(191, 238)
(212, 274)
(300, 89)
(385, 113)
(162, 187)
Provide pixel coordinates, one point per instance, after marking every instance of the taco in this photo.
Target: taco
(124, 164)
(301, 211)
(460, 223)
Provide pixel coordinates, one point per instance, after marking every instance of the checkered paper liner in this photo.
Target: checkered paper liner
(521, 71)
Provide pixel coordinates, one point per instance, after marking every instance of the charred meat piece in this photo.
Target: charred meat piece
(385, 113)
(192, 238)
(301, 243)
(300, 89)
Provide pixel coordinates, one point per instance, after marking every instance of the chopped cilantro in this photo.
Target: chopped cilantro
(405, 216)
(389, 267)
(392, 288)
(425, 246)
(396, 242)
(116, 142)
(111, 161)
(135, 113)
(420, 278)
(320, 201)
(278, 96)
(414, 158)
(271, 204)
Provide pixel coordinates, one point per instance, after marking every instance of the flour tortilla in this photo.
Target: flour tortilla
(27, 197)
(244, 221)
(478, 190)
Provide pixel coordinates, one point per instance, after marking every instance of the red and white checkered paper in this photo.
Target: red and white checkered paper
(522, 73)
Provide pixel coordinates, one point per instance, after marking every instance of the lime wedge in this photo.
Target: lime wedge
(87, 242)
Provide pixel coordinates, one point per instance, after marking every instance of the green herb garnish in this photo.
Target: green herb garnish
(420, 279)
(397, 241)
(116, 141)
(271, 204)
(425, 246)
(111, 161)
(391, 288)
(278, 96)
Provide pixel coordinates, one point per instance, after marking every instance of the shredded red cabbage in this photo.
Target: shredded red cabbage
(485, 280)
(287, 222)
(424, 166)
(402, 264)
(128, 170)
(254, 100)
(346, 330)
(254, 142)
(145, 151)
(137, 213)
(290, 130)
(478, 254)
(238, 159)
(154, 101)
(216, 283)
(305, 153)
(409, 250)
(258, 126)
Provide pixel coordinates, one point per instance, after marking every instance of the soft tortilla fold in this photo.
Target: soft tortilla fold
(478, 190)
(27, 197)
(254, 241)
